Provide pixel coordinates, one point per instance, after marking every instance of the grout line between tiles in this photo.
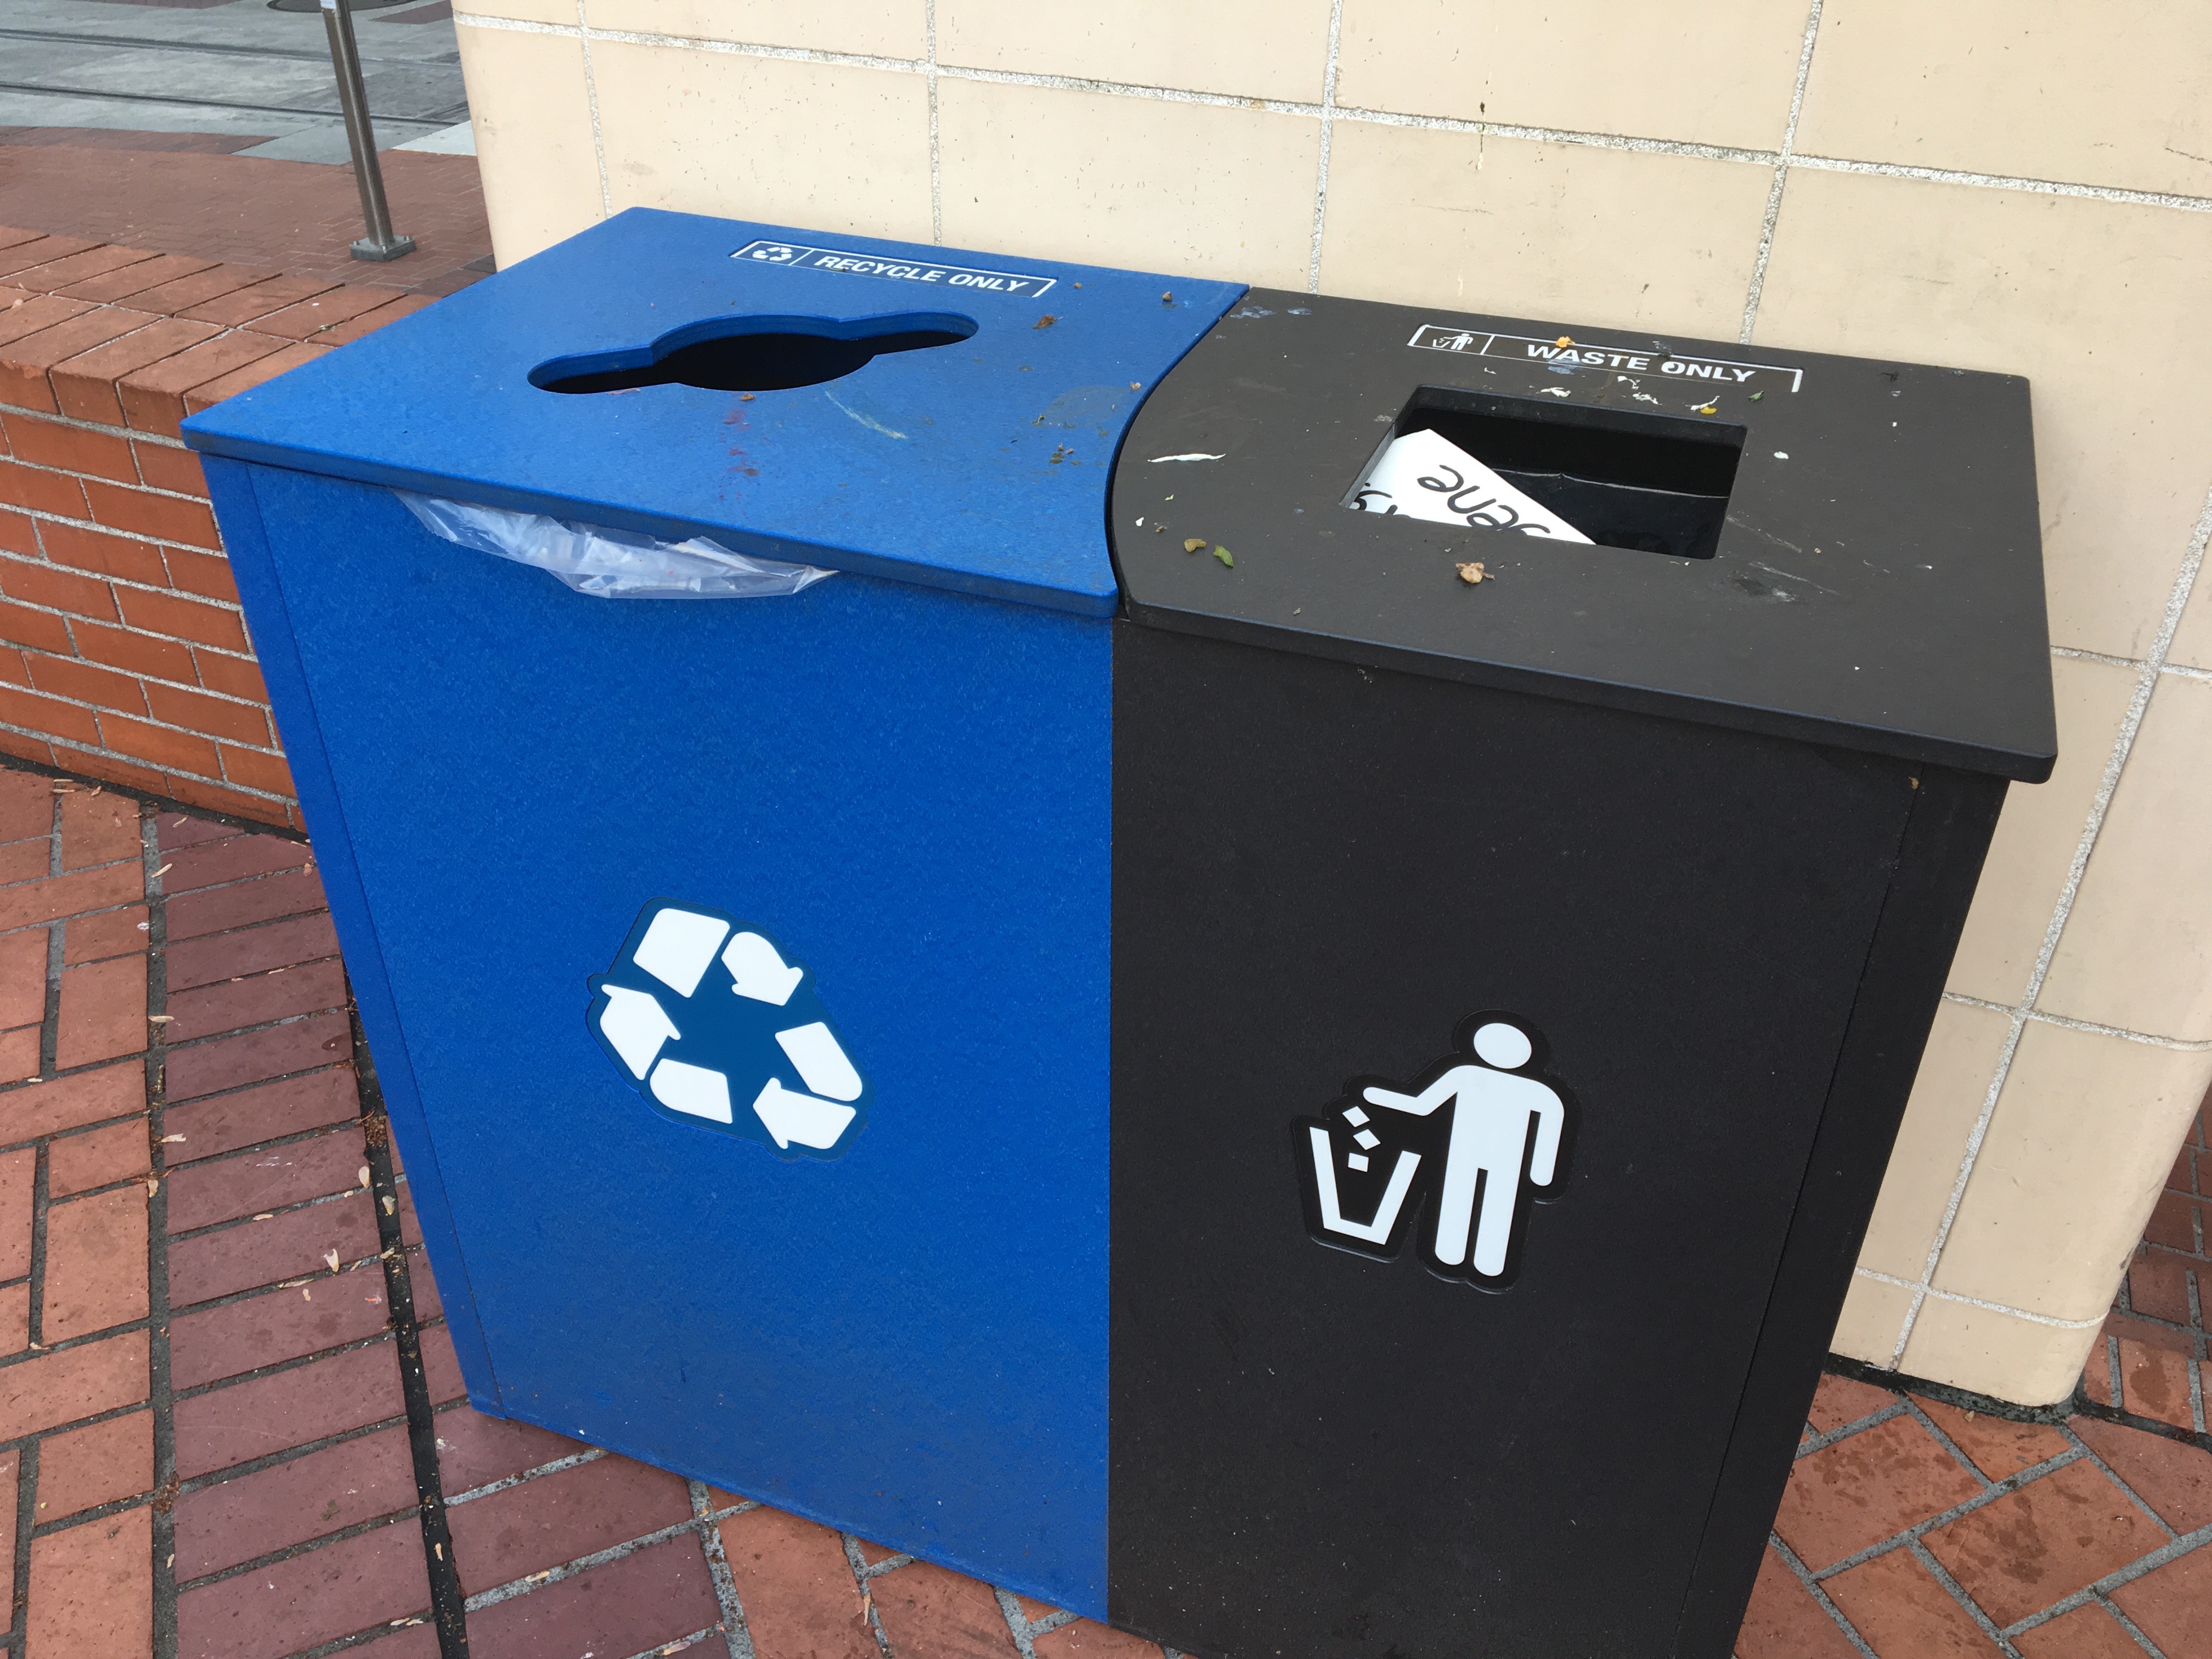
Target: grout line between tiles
(2141, 1566)
(1880, 1278)
(1773, 216)
(522, 1586)
(161, 1391)
(936, 150)
(2090, 1454)
(1341, 113)
(1952, 1588)
(1905, 1537)
(1942, 1439)
(294, 1551)
(55, 417)
(1813, 1588)
(2039, 1017)
(507, 1483)
(2141, 1639)
(1327, 114)
(2122, 744)
(737, 1634)
(862, 1572)
(1858, 1425)
(592, 103)
(447, 1610)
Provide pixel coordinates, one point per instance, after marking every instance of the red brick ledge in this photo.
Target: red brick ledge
(124, 655)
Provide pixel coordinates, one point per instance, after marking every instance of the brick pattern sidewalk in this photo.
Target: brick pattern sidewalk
(2153, 1361)
(232, 1427)
(1913, 1529)
(167, 191)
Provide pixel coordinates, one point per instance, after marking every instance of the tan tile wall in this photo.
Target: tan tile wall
(2009, 185)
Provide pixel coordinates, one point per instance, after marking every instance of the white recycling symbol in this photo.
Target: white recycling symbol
(695, 1041)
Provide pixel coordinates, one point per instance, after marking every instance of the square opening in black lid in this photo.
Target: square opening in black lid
(1656, 484)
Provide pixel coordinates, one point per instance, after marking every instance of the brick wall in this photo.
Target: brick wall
(124, 655)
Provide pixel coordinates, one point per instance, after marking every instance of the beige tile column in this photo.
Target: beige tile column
(1933, 211)
(2011, 184)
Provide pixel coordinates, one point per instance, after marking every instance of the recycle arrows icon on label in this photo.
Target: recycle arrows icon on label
(699, 1009)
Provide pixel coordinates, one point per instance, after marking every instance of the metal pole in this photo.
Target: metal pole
(382, 243)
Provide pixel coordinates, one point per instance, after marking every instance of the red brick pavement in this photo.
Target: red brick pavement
(148, 190)
(227, 1401)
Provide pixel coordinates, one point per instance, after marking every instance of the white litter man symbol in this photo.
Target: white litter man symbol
(1475, 1141)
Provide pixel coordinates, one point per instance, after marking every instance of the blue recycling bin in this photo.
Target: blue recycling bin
(554, 826)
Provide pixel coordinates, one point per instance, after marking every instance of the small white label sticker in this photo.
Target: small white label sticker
(1565, 355)
(1018, 284)
(1423, 475)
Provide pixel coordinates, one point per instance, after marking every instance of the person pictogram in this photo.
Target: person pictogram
(1474, 1142)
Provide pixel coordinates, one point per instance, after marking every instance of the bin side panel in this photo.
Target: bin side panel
(906, 791)
(1954, 816)
(247, 536)
(1321, 871)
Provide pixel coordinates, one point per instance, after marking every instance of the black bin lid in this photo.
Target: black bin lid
(1831, 549)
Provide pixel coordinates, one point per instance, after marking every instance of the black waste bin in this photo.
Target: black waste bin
(1524, 939)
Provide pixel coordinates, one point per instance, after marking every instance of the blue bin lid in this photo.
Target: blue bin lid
(981, 465)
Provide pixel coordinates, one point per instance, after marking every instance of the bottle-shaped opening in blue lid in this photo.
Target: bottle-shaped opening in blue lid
(753, 353)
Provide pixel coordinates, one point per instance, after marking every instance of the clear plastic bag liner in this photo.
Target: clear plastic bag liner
(609, 564)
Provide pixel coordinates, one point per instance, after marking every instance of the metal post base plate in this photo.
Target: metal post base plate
(398, 248)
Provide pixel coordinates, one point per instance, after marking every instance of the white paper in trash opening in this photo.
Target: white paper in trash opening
(1423, 475)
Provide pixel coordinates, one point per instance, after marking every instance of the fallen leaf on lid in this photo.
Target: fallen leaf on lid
(1225, 554)
(1473, 572)
(744, 397)
(1706, 408)
(1195, 544)
(1136, 385)
(1563, 340)
(1167, 299)
(1047, 320)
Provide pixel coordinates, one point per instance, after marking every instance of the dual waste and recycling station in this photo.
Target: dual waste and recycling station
(1290, 1075)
